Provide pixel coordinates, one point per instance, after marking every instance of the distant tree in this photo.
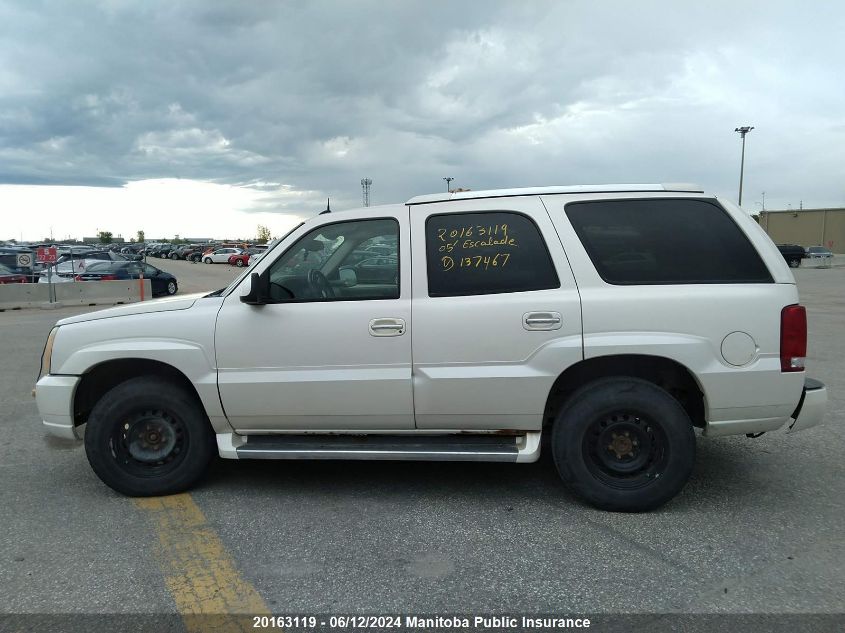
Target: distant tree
(131, 240)
(105, 237)
(140, 236)
(176, 240)
(264, 234)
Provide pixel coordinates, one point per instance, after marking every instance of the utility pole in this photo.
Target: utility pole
(448, 180)
(745, 129)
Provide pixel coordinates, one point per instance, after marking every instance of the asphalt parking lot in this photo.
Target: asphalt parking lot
(759, 528)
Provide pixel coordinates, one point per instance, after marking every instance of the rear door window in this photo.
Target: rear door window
(665, 241)
(486, 253)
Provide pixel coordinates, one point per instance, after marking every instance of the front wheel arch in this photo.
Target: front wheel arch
(101, 378)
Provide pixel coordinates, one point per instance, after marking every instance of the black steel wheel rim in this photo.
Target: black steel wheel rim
(149, 443)
(625, 450)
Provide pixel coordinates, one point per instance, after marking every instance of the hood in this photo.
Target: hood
(142, 307)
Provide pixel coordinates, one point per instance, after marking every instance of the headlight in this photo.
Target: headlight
(47, 355)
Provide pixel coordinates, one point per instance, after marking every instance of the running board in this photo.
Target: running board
(460, 447)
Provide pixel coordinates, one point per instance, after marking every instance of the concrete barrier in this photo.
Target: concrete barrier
(17, 296)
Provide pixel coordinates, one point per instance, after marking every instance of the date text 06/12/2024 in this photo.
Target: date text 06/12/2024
(420, 622)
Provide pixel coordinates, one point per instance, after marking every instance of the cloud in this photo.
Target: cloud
(317, 95)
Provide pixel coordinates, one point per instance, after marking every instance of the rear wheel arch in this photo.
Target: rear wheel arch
(666, 373)
(103, 377)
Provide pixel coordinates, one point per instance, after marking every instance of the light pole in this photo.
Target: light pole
(745, 129)
(448, 180)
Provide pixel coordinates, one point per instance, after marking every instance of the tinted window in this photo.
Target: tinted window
(665, 241)
(486, 253)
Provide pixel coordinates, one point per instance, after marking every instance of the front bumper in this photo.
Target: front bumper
(54, 398)
(811, 407)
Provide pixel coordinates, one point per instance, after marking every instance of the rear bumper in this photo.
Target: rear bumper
(811, 407)
(54, 397)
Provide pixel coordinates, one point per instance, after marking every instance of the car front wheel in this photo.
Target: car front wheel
(239, 263)
(207, 260)
(794, 263)
(172, 287)
(624, 444)
(148, 437)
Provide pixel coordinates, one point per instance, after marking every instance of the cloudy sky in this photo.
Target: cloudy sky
(207, 118)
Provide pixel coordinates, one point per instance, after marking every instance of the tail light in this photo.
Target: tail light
(78, 278)
(793, 338)
(108, 278)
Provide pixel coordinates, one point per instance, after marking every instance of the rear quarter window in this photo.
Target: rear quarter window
(665, 241)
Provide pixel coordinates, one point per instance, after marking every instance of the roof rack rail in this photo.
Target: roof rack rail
(535, 191)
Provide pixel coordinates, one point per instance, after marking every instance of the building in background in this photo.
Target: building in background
(807, 227)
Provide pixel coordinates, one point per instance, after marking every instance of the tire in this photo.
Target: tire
(153, 405)
(239, 263)
(207, 260)
(195, 258)
(172, 288)
(794, 263)
(624, 444)
(174, 256)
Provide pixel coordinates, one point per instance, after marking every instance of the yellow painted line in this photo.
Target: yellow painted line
(200, 574)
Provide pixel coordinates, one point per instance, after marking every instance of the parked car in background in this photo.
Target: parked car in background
(819, 257)
(221, 255)
(68, 266)
(9, 276)
(163, 283)
(164, 250)
(792, 253)
(132, 249)
(246, 257)
(818, 251)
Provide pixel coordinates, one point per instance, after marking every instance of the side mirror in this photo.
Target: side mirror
(259, 290)
(348, 277)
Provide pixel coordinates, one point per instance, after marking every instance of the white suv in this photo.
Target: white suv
(612, 319)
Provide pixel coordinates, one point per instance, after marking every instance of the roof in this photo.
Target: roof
(535, 191)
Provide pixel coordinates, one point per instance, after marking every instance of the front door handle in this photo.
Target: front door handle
(387, 327)
(542, 321)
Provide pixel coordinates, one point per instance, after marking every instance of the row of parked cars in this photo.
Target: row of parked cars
(207, 253)
(794, 254)
(106, 265)
(82, 263)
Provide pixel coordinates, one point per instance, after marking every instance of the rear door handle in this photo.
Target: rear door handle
(542, 321)
(387, 327)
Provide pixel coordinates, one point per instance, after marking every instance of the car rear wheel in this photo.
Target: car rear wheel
(624, 444)
(148, 437)
(174, 256)
(172, 287)
(794, 263)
